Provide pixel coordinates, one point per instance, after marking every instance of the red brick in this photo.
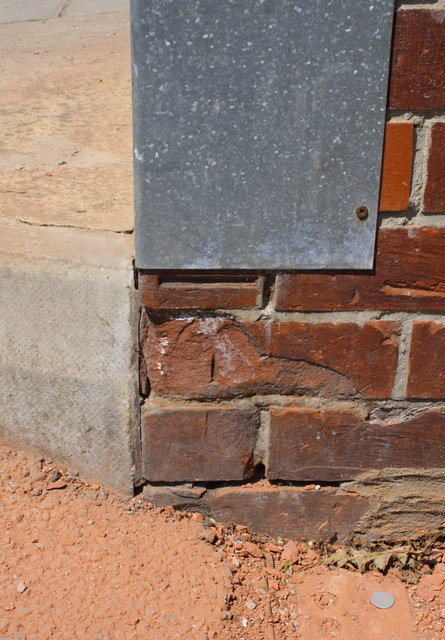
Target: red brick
(198, 443)
(329, 445)
(201, 292)
(434, 198)
(417, 79)
(290, 512)
(397, 166)
(366, 354)
(409, 275)
(206, 358)
(426, 373)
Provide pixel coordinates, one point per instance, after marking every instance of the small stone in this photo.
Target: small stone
(21, 587)
(54, 475)
(37, 491)
(4, 624)
(442, 613)
(27, 486)
(58, 484)
(244, 622)
(241, 528)
(291, 552)
(253, 550)
(197, 517)
(272, 547)
(251, 604)
(210, 537)
(91, 495)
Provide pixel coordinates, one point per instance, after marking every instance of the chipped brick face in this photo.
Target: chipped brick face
(260, 379)
(224, 358)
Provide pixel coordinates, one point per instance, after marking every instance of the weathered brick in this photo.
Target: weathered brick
(206, 358)
(434, 198)
(290, 512)
(178, 496)
(198, 443)
(409, 275)
(329, 445)
(426, 372)
(365, 354)
(201, 292)
(417, 80)
(397, 166)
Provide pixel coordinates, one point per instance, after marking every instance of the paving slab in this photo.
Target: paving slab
(86, 7)
(23, 10)
(66, 156)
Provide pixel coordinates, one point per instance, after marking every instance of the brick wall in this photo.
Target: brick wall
(320, 397)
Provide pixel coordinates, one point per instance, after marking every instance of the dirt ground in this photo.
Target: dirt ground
(77, 562)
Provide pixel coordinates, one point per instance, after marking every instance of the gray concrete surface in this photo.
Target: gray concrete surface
(21, 10)
(68, 344)
(85, 7)
(68, 309)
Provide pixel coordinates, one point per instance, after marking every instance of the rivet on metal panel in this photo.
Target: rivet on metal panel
(361, 212)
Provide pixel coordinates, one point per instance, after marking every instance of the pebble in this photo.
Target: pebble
(210, 537)
(21, 587)
(291, 552)
(442, 613)
(253, 550)
(58, 484)
(54, 475)
(37, 492)
(251, 604)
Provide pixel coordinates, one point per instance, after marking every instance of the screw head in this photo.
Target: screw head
(361, 212)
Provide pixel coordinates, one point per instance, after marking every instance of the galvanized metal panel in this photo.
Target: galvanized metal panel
(258, 129)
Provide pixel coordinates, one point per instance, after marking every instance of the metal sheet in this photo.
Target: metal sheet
(258, 129)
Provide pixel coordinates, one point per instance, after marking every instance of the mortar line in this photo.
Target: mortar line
(327, 317)
(262, 445)
(362, 406)
(401, 375)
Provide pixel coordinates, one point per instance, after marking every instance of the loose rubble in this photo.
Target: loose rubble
(79, 562)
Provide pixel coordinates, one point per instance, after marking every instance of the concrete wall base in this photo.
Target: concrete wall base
(68, 342)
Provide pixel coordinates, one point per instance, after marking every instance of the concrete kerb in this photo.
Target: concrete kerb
(68, 369)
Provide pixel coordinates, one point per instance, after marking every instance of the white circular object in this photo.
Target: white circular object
(382, 600)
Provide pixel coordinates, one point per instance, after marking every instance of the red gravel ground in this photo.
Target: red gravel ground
(79, 563)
